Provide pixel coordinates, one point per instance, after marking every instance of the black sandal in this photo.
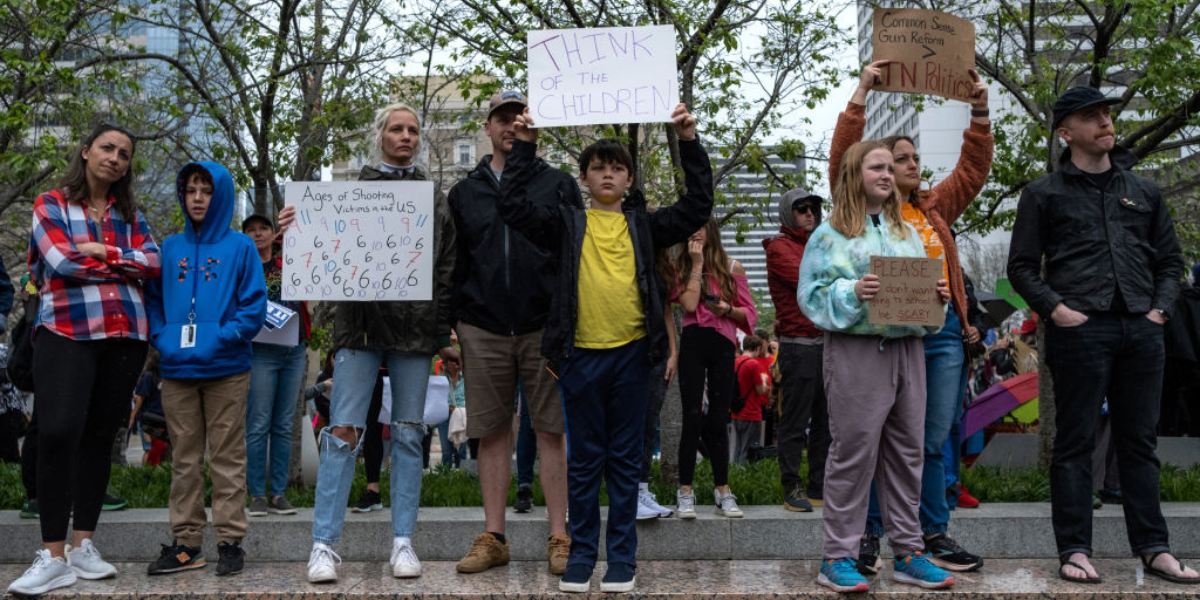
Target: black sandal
(1146, 562)
(1063, 562)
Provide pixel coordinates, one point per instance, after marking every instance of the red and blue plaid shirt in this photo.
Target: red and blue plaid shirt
(85, 298)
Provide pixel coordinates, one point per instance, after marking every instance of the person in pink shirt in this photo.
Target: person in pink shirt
(716, 300)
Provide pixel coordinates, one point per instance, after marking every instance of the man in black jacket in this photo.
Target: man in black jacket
(1113, 266)
(502, 289)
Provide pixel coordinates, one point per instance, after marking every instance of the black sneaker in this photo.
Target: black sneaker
(231, 559)
(30, 510)
(944, 552)
(796, 502)
(112, 502)
(176, 558)
(367, 502)
(869, 562)
(524, 501)
(620, 577)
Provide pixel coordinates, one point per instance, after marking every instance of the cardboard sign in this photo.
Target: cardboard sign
(931, 52)
(907, 292)
(602, 75)
(359, 240)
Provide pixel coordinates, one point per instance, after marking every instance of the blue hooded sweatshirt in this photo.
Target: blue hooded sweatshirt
(212, 279)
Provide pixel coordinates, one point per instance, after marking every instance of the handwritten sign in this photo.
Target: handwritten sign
(359, 240)
(931, 52)
(602, 75)
(907, 291)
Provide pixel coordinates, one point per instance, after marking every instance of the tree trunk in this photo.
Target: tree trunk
(670, 422)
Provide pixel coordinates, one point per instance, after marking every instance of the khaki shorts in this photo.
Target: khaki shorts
(491, 365)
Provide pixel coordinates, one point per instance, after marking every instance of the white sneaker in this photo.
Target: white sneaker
(322, 564)
(87, 564)
(647, 497)
(404, 560)
(685, 505)
(727, 505)
(644, 512)
(46, 574)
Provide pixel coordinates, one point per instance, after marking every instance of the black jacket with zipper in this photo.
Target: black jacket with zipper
(1096, 242)
(561, 229)
(404, 326)
(503, 281)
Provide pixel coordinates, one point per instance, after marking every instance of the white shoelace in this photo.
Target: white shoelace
(728, 503)
(40, 563)
(323, 556)
(404, 553)
(686, 502)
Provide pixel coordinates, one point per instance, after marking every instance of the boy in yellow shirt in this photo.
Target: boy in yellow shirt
(606, 326)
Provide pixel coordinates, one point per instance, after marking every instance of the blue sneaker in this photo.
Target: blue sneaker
(577, 579)
(915, 569)
(841, 575)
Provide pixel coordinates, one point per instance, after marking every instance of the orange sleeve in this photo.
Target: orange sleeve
(849, 131)
(955, 193)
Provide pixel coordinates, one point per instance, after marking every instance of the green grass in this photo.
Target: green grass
(755, 483)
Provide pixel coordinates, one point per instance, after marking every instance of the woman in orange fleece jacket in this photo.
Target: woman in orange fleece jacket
(931, 212)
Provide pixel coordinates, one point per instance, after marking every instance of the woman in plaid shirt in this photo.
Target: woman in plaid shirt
(89, 252)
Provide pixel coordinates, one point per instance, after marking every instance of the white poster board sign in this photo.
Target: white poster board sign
(359, 240)
(603, 75)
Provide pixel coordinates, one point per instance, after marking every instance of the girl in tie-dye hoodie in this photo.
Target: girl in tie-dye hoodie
(874, 374)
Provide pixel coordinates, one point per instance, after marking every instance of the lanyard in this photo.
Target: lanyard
(195, 284)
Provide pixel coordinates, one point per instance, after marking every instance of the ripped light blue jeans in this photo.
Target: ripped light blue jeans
(353, 381)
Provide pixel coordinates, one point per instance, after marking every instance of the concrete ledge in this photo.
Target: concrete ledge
(656, 580)
(767, 532)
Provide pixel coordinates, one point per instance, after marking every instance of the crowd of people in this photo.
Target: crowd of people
(570, 306)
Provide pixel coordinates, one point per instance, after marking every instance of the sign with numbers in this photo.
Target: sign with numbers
(359, 241)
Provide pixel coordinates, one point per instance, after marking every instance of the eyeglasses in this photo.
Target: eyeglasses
(804, 207)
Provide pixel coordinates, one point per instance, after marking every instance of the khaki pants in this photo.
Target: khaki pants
(212, 411)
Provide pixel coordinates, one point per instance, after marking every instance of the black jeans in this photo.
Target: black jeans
(803, 408)
(705, 354)
(1118, 356)
(83, 390)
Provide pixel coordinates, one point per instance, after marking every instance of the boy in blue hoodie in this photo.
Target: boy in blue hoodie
(203, 312)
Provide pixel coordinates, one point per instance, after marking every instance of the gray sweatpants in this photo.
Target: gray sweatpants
(876, 394)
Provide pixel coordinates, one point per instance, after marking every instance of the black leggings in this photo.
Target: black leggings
(83, 388)
(705, 354)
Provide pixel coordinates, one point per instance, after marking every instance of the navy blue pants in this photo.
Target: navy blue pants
(605, 393)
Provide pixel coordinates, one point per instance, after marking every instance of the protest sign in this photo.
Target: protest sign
(359, 240)
(596, 76)
(931, 52)
(907, 291)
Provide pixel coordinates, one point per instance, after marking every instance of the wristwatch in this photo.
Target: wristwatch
(1162, 313)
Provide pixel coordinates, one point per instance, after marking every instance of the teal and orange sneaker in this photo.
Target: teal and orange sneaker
(915, 569)
(842, 576)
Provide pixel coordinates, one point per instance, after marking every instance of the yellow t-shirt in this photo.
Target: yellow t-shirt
(610, 306)
(929, 237)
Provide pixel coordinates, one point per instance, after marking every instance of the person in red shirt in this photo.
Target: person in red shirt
(754, 386)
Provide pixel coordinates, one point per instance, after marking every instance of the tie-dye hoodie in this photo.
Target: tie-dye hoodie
(831, 266)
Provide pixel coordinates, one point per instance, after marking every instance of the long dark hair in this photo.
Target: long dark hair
(74, 181)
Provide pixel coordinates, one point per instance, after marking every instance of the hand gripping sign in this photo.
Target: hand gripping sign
(602, 75)
(360, 241)
(931, 52)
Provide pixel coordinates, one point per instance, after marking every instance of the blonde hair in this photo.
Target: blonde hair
(716, 262)
(849, 216)
(381, 118)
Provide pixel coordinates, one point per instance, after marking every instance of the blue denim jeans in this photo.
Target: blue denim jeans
(276, 373)
(944, 380)
(1121, 357)
(348, 404)
(451, 454)
(526, 442)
